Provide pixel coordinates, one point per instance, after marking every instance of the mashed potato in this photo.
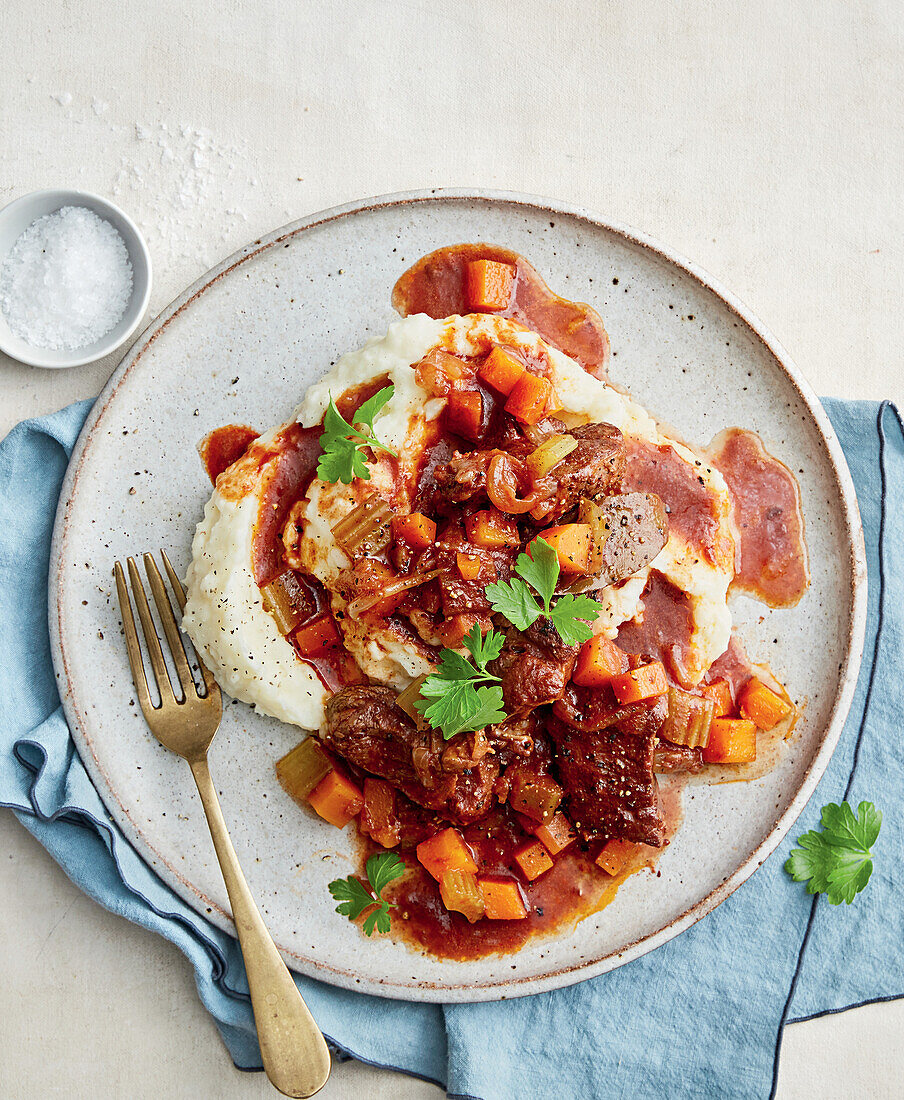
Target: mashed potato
(224, 616)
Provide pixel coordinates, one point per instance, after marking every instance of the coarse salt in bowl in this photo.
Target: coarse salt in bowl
(77, 320)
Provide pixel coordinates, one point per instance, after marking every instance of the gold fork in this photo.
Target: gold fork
(293, 1050)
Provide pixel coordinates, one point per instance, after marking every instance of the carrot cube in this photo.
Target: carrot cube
(416, 530)
(336, 799)
(502, 898)
(731, 741)
(719, 691)
(556, 834)
(490, 284)
(638, 684)
(528, 399)
(316, 637)
(446, 851)
(492, 530)
(464, 414)
(762, 705)
(571, 542)
(469, 566)
(501, 370)
(614, 855)
(461, 893)
(598, 661)
(455, 628)
(533, 859)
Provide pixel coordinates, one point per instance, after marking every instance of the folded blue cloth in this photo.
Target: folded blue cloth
(701, 1016)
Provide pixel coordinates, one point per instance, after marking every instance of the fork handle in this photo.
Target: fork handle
(293, 1050)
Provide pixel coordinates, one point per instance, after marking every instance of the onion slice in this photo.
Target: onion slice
(505, 475)
(365, 603)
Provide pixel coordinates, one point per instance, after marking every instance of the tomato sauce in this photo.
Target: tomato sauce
(223, 446)
(436, 285)
(772, 555)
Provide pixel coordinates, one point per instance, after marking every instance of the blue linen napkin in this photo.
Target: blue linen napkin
(701, 1016)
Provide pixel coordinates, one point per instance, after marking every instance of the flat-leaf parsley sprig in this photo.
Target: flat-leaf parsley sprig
(838, 861)
(539, 568)
(459, 695)
(343, 443)
(354, 898)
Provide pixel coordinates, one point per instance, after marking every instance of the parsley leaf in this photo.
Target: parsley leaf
(461, 696)
(540, 569)
(342, 443)
(837, 862)
(354, 898)
(569, 616)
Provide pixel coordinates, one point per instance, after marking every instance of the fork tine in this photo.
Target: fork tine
(213, 689)
(165, 611)
(150, 636)
(132, 646)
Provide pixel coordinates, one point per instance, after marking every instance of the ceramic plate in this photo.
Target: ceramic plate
(241, 345)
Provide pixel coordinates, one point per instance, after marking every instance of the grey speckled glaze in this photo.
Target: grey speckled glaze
(241, 345)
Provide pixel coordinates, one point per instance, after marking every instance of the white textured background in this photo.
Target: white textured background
(761, 139)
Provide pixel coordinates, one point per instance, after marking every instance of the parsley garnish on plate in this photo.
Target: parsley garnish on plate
(354, 898)
(343, 443)
(464, 696)
(539, 569)
(838, 861)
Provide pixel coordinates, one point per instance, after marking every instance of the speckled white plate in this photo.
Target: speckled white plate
(241, 345)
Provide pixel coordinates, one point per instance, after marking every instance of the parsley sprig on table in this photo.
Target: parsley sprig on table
(838, 861)
(462, 696)
(539, 569)
(354, 898)
(343, 443)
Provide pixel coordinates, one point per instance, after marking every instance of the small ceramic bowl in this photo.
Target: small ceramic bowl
(15, 219)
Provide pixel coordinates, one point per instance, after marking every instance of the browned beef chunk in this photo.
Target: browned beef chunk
(594, 469)
(463, 477)
(629, 531)
(609, 783)
(594, 709)
(460, 596)
(676, 758)
(530, 677)
(364, 726)
(545, 636)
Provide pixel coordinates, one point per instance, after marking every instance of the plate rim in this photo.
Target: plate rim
(848, 676)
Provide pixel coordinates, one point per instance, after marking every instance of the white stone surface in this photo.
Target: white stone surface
(762, 140)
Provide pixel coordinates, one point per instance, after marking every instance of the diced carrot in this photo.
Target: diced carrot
(598, 661)
(719, 691)
(501, 370)
(490, 284)
(638, 684)
(527, 401)
(336, 799)
(468, 565)
(416, 530)
(571, 543)
(491, 529)
(454, 629)
(461, 893)
(372, 576)
(464, 414)
(556, 834)
(301, 769)
(502, 898)
(316, 637)
(614, 855)
(446, 851)
(533, 859)
(378, 817)
(731, 741)
(438, 372)
(762, 705)
(535, 796)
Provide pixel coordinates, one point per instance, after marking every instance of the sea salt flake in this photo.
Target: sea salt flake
(67, 280)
